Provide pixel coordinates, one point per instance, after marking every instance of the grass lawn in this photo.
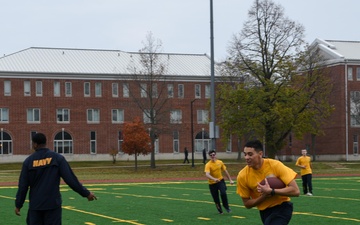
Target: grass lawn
(174, 193)
(335, 201)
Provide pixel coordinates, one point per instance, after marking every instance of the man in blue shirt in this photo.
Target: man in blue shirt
(41, 171)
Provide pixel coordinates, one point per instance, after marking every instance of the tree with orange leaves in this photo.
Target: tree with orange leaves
(136, 139)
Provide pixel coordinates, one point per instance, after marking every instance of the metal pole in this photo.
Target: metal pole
(192, 133)
(346, 113)
(2, 141)
(212, 86)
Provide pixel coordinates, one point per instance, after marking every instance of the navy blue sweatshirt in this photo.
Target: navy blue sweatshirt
(41, 172)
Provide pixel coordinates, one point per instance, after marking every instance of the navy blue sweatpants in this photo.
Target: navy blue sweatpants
(44, 217)
(277, 215)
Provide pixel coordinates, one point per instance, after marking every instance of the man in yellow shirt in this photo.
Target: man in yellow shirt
(304, 162)
(274, 204)
(213, 171)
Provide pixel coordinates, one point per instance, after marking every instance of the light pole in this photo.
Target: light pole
(192, 132)
(212, 85)
(1, 141)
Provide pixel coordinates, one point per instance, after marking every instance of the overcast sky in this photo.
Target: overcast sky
(183, 26)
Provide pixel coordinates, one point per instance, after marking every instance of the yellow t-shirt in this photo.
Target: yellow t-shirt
(215, 169)
(304, 161)
(248, 178)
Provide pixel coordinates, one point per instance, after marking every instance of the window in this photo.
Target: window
(181, 91)
(87, 89)
(33, 115)
(5, 143)
(202, 141)
(175, 116)
(118, 116)
(154, 91)
(229, 146)
(4, 115)
(147, 116)
(93, 115)
(176, 141)
(56, 88)
(68, 89)
(356, 145)
(355, 108)
(120, 141)
(98, 91)
(38, 88)
(115, 89)
(156, 145)
(202, 116)
(170, 88)
(27, 88)
(358, 73)
(92, 142)
(197, 91)
(207, 91)
(63, 115)
(143, 90)
(350, 73)
(7, 88)
(126, 92)
(63, 143)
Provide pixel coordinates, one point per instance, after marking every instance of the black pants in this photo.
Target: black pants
(214, 190)
(44, 217)
(307, 183)
(277, 215)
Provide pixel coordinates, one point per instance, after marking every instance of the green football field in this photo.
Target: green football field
(336, 200)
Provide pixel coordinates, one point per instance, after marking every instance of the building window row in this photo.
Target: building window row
(63, 142)
(33, 115)
(350, 73)
(98, 89)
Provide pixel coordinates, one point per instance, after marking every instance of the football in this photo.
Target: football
(274, 182)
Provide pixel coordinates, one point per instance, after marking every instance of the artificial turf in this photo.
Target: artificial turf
(335, 201)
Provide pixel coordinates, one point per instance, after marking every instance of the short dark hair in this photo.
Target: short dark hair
(39, 138)
(256, 144)
(212, 151)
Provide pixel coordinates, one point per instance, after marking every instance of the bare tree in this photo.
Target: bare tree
(149, 69)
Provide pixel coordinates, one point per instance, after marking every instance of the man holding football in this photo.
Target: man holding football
(273, 202)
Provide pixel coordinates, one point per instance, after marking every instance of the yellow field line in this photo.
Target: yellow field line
(329, 217)
(102, 216)
(90, 213)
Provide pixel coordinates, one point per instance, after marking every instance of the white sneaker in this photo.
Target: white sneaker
(308, 194)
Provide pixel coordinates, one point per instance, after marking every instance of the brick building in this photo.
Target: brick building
(80, 99)
(342, 129)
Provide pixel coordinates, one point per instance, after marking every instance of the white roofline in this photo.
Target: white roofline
(330, 51)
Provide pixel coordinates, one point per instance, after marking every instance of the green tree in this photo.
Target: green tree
(282, 86)
(136, 139)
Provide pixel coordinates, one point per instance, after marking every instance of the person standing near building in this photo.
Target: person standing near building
(274, 204)
(304, 162)
(41, 173)
(204, 155)
(213, 171)
(186, 153)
